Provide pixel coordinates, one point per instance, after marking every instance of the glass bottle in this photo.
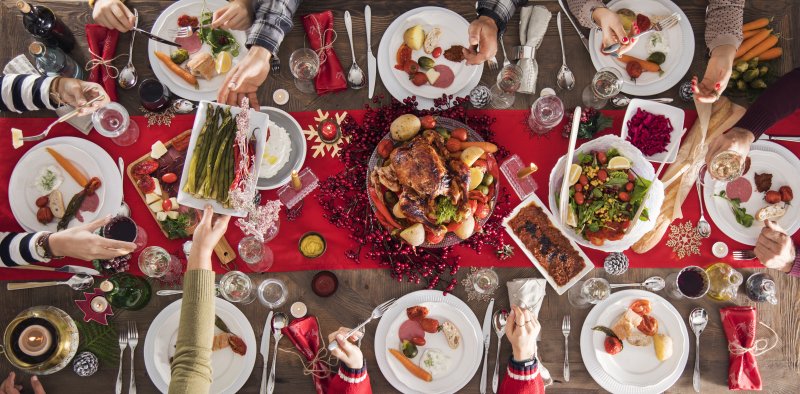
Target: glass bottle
(760, 287)
(43, 24)
(723, 281)
(53, 62)
(126, 291)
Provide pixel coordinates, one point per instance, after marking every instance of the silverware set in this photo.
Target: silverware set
(698, 319)
(487, 326)
(279, 321)
(499, 321)
(62, 119)
(127, 338)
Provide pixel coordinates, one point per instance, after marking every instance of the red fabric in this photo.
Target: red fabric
(304, 334)
(319, 30)
(739, 323)
(340, 386)
(510, 132)
(509, 385)
(103, 42)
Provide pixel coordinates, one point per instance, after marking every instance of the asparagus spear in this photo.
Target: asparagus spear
(212, 120)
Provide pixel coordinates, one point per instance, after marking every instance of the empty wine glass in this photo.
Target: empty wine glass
(237, 287)
(304, 64)
(502, 94)
(156, 262)
(272, 293)
(546, 113)
(113, 121)
(588, 292)
(606, 83)
(256, 254)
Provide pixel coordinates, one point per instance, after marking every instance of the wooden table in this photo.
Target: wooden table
(360, 290)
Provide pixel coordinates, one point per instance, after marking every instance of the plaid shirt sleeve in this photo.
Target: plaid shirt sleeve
(499, 10)
(273, 20)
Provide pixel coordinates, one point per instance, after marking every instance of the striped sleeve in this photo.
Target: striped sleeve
(19, 249)
(350, 381)
(273, 20)
(795, 271)
(25, 93)
(500, 11)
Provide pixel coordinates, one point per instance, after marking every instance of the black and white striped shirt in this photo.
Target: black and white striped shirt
(19, 249)
(20, 93)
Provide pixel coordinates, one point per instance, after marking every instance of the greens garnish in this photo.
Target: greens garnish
(220, 40)
(741, 215)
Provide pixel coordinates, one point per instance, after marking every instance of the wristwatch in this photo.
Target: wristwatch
(43, 247)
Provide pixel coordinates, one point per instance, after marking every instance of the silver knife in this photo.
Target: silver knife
(584, 40)
(372, 64)
(487, 329)
(70, 269)
(789, 138)
(155, 37)
(265, 337)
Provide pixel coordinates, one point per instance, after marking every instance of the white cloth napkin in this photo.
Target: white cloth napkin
(529, 293)
(533, 23)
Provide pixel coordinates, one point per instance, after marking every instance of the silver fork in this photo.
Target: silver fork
(186, 31)
(133, 340)
(506, 62)
(123, 343)
(565, 326)
(663, 24)
(69, 115)
(744, 255)
(376, 314)
(275, 65)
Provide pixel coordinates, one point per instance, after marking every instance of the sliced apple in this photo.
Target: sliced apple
(466, 228)
(397, 212)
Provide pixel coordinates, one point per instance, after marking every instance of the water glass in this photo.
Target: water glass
(510, 78)
(256, 254)
(156, 262)
(546, 113)
(154, 95)
(304, 65)
(588, 292)
(500, 99)
(237, 287)
(726, 166)
(272, 293)
(606, 83)
(485, 281)
(113, 121)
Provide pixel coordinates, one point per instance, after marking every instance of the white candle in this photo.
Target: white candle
(299, 309)
(280, 96)
(34, 340)
(99, 304)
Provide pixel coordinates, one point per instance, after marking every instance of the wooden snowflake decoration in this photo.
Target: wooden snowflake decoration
(317, 145)
(684, 239)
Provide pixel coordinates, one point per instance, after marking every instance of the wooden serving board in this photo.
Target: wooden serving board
(223, 249)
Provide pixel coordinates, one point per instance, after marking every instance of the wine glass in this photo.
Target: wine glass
(502, 94)
(237, 287)
(485, 280)
(546, 113)
(726, 166)
(156, 262)
(154, 95)
(606, 83)
(113, 121)
(256, 254)
(123, 228)
(272, 293)
(588, 292)
(304, 64)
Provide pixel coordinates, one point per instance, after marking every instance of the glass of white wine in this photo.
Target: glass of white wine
(606, 84)
(726, 166)
(304, 64)
(237, 287)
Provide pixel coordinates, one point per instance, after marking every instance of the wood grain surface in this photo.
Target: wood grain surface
(360, 290)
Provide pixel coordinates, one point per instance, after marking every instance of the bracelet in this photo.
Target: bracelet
(55, 86)
(43, 245)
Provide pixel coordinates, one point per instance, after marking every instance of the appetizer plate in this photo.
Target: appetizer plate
(589, 266)
(169, 20)
(465, 360)
(258, 125)
(635, 370)
(297, 156)
(675, 116)
(388, 52)
(87, 156)
(641, 166)
(230, 371)
(765, 157)
(679, 58)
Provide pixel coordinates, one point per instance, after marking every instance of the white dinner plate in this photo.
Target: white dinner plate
(675, 116)
(230, 371)
(765, 157)
(169, 20)
(87, 156)
(635, 370)
(388, 51)
(297, 156)
(465, 359)
(679, 58)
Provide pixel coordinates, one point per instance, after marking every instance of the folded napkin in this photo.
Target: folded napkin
(533, 23)
(103, 46)
(20, 65)
(739, 323)
(304, 334)
(320, 33)
(529, 293)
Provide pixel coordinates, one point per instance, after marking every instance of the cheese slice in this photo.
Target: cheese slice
(173, 215)
(151, 198)
(16, 138)
(156, 207)
(161, 216)
(174, 202)
(157, 191)
(432, 75)
(157, 150)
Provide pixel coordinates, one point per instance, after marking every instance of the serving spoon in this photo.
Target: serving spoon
(565, 78)
(76, 282)
(653, 283)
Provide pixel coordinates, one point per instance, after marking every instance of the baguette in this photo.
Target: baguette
(771, 212)
(56, 204)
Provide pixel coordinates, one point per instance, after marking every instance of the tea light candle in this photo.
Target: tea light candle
(99, 304)
(720, 249)
(34, 340)
(299, 309)
(280, 96)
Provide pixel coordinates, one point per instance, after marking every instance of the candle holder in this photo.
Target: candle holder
(524, 186)
(95, 307)
(62, 347)
(300, 186)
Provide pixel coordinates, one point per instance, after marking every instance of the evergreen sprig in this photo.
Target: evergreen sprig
(102, 340)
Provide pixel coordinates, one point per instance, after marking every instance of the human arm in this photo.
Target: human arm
(775, 249)
(237, 15)
(112, 14)
(522, 375)
(352, 377)
(593, 13)
(723, 36)
(10, 387)
(22, 92)
(493, 15)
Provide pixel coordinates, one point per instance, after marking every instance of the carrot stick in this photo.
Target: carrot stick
(762, 47)
(756, 24)
(185, 75)
(751, 33)
(772, 53)
(751, 42)
(382, 210)
(646, 65)
(67, 165)
(486, 146)
(410, 366)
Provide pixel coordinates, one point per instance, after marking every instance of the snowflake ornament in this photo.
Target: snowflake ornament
(684, 239)
(319, 146)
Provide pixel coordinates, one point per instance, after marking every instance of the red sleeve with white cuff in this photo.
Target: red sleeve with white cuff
(350, 381)
(522, 377)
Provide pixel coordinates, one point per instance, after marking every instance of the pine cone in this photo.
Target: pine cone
(616, 263)
(85, 364)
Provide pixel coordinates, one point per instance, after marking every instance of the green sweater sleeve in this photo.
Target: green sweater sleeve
(191, 366)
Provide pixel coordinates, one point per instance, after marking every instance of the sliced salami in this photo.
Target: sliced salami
(446, 76)
(739, 188)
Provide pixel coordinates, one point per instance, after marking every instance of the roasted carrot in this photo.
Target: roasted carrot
(383, 211)
(185, 75)
(751, 33)
(751, 42)
(646, 65)
(772, 53)
(486, 146)
(70, 168)
(411, 367)
(756, 24)
(762, 47)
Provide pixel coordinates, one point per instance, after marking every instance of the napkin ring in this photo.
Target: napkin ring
(523, 52)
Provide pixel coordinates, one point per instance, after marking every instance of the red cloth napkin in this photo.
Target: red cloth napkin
(304, 334)
(331, 76)
(739, 323)
(103, 43)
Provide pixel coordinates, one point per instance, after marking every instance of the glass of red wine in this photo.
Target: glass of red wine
(113, 121)
(690, 282)
(123, 228)
(154, 95)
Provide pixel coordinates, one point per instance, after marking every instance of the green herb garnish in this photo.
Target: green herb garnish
(176, 228)
(741, 215)
(445, 211)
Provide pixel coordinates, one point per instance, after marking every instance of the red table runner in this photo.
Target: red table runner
(510, 132)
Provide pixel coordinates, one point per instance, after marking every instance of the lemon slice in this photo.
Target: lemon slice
(572, 220)
(575, 171)
(223, 62)
(619, 163)
(525, 171)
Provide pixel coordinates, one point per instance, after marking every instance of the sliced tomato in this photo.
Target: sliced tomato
(641, 307)
(483, 211)
(403, 54)
(648, 326)
(612, 345)
(491, 166)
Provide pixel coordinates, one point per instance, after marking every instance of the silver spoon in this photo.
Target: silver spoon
(124, 209)
(703, 228)
(565, 78)
(499, 319)
(127, 76)
(76, 282)
(653, 283)
(622, 100)
(278, 322)
(698, 318)
(355, 77)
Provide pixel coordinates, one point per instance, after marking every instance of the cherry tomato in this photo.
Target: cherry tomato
(629, 186)
(430, 325)
(578, 187)
(385, 148)
(634, 69)
(459, 134)
(42, 201)
(166, 205)
(601, 157)
(631, 176)
(624, 196)
(418, 341)
(612, 345)
(648, 326)
(436, 52)
(453, 145)
(602, 175)
(169, 177)
(434, 238)
(583, 180)
(473, 206)
(481, 163)
(428, 122)
(772, 197)
(418, 79)
(579, 199)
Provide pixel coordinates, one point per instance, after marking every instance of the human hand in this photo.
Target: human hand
(82, 243)
(9, 387)
(774, 248)
(76, 93)
(736, 139)
(522, 330)
(347, 352)
(237, 15)
(206, 235)
(718, 73)
(112, 14)
(613, 31)
(483, 35)
(245, 78)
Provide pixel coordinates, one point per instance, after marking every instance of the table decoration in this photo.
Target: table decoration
(298, 188)
(616, 263)
(479, 96)
(85, 364)
(163, 118)
(684, 240)
(319, 143)
(102, 46)
(304, 334)
(299, 309)
(592, 122)
(517, 175)
(95, 307)
(321, 35)
(739, 324)
(41, 357)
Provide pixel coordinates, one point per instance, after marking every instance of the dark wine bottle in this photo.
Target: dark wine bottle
(43, 24)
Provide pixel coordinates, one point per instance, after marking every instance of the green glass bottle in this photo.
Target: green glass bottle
(127, 291)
